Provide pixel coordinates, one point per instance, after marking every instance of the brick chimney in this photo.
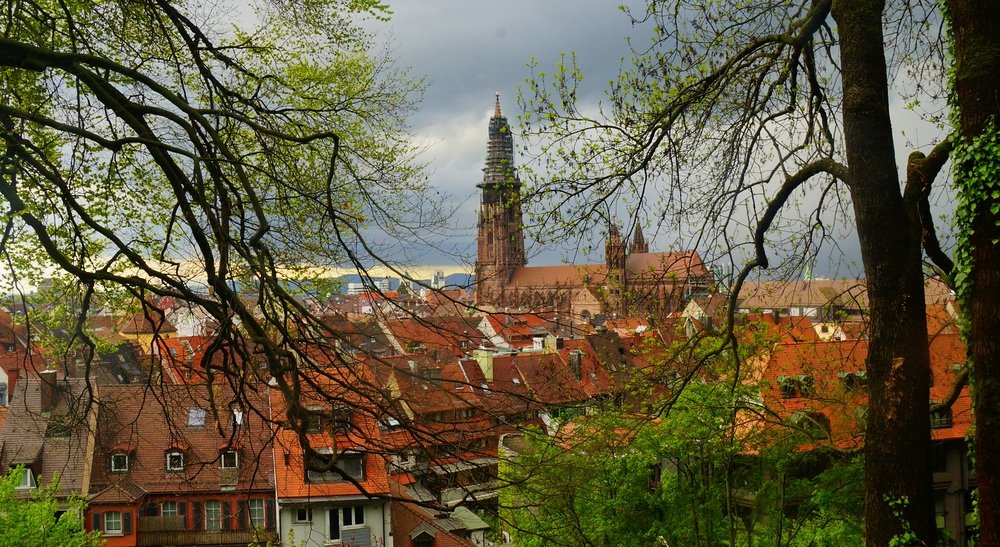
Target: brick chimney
(47, 381)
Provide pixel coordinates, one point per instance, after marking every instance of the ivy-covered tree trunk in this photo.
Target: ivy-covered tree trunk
(976, 31)
(899, 498)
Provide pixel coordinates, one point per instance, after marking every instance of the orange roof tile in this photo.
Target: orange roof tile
(195, 419)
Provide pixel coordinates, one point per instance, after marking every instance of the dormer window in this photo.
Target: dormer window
(27, 480)
(854, 381)
(792, 387)
(315, 420)
(941, 418)
(175, 460)
(330, 467)
(229, 459)
(119, 462)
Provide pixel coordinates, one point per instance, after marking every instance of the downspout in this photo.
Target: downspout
(274, 469)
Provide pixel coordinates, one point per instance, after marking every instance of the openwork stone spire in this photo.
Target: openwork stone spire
(501, 240)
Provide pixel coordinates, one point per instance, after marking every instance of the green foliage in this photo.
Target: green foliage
(33, 522)
(699, 475)
(976, 168)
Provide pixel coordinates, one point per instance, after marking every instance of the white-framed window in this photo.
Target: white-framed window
(27, 480)
(119, 462)
(168, 509)
(196, 417)
(352, 516)
(351, 464)
(315, 417)
(303, 514)
(256, 510)
(213, 515)
(230, 459)
(175, 460)
(112, 523)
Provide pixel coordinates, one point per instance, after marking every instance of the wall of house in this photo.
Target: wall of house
(128, 538)
(315, 533)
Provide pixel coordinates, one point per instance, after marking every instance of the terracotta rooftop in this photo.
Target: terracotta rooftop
(347, 394)
(47, 428)
(200, 421)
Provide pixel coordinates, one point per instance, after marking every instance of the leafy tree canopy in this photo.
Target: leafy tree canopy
(40, 519)
(158, 148)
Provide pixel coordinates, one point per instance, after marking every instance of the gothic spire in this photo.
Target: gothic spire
(499, 172)
(639, 244)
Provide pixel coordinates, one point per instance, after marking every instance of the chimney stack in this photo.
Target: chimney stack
(47, 386)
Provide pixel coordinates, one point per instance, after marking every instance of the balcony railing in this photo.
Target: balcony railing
(171, 531)
(477, 492)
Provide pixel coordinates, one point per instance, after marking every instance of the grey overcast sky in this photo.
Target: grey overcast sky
(468, 50)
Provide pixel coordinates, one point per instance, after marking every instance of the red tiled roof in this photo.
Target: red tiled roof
(455, 335)
(352, 387)
(194, 419)
(826, 363)
(784, 328)
(409, 520)
(594, 376)
(548, 378)
(55, 442)
(638, 265)
(518, 330)
(655, 265)
(151, 322)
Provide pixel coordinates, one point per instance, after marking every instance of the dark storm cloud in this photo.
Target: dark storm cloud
(470, 50)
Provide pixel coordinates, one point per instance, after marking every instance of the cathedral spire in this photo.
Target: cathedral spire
(499, 175)
(501, 239)
(639, 244)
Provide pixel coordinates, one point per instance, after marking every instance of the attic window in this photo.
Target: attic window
(941, 418)
(315, 420)
(196, 417)
(27, 480)
(796, 386)
(237, 416)
(854, 381)
(516, 380)
(11, 348)
(119, 462)
(175, 460)
(334, 467)
(229, 459)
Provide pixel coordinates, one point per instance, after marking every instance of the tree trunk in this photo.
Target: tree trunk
(898, 493)
(976, 30)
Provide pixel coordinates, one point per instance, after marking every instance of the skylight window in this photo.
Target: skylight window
(196, 417)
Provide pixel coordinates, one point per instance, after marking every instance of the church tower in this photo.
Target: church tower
(616, 281)
(639, 244)
(501, 239)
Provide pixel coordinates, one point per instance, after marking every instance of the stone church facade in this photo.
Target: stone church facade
(631, 282)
